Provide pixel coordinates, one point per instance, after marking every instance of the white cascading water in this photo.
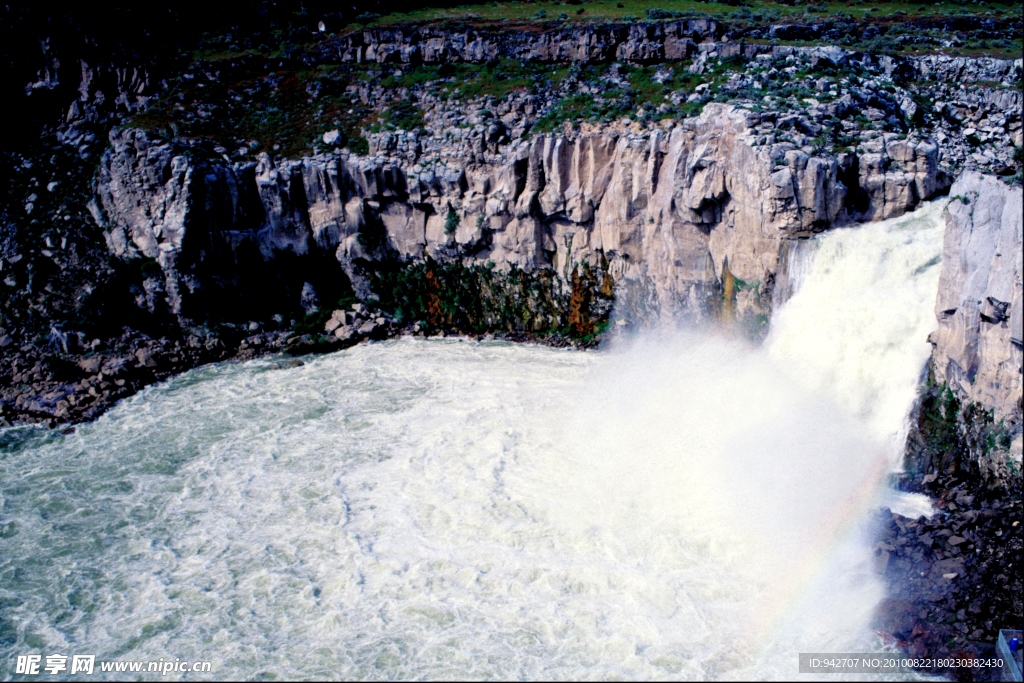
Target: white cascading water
(684, 508)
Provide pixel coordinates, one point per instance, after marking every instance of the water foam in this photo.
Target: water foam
(686, 508)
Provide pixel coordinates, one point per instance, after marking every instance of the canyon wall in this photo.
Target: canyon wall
(977, 346)
(968, 420)
(649, 42)
(636, 43)
(690, 219)
(669, 214)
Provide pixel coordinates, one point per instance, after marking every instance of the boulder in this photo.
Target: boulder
(91, 366)
(145, 357)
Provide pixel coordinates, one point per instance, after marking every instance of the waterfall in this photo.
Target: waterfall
(680, 507)
(857, 326)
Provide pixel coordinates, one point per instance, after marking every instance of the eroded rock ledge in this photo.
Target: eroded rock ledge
(979, 306)
(668, 213)
(638, 43)
(969, 421)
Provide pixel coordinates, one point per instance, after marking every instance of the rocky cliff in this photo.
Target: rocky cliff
(650, 42)
(524, 178)
(979, 306)
(968, 421)
(638, 43)
(668, 213)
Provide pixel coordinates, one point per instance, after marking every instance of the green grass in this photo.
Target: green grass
(275, 109)
(406, 115)
(496, 78)
(900, 16)
(412, 76)
(617, 10)
(641, 92)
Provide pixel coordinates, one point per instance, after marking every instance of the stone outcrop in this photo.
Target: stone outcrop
(138, 181)
(896, 174)
(977, 346)
(221, 234)
(669, 212)
(638, 43)
(642, 43)
(948, 69)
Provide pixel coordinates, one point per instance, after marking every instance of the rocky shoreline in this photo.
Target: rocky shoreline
(59, 389)
(954, 578)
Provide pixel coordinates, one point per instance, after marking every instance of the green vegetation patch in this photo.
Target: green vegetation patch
(247, 110)
(495, 78)
(483, 298)
(633, 90)
(953, 437)
(313, 323)
(899, 18)
(474, 298)
(556, 11)
(405, 115)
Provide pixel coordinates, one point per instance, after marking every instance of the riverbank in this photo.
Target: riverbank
(64, 382)
(953, 579)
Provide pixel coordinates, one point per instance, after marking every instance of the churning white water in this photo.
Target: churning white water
(685, 508)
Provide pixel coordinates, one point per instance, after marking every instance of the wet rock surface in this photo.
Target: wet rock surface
(954, 579)
(52, 388)
(40, 385)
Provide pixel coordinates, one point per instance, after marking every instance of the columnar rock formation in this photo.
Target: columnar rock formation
(599, 43)
(638, 43)
(669, 212)
(978, 344)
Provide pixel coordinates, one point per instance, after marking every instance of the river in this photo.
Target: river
(676, 506)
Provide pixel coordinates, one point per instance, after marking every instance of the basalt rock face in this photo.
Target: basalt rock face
(668, 214)
(979, 339)
(964, 70)
(637, 43)
(227, 239)
(652, 42)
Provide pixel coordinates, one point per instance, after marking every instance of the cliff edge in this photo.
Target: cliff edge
(667, 214)
(979, 338)
(969, 421)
